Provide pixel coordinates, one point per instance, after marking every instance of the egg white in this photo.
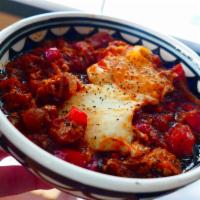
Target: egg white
(110, 113)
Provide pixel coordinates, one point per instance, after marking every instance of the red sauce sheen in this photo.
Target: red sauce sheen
(37, 83)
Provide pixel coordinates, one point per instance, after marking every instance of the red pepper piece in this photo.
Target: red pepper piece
(178, 70)
(72, 156)
(77, 116)
(156, 60)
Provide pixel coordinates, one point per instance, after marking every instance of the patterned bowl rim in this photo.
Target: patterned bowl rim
(84, 176)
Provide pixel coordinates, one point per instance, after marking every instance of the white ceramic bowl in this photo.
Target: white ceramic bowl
(24, 35)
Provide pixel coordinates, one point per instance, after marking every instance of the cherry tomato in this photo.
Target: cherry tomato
(193, 120)
(180, 140)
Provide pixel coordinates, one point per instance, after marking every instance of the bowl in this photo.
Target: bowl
(25, 35)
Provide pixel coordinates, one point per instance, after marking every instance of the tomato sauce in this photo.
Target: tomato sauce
(35, 85)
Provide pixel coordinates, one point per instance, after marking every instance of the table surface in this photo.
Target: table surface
(179, 18)
(10, 14)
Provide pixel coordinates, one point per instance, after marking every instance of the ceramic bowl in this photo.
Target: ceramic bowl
(25, 35)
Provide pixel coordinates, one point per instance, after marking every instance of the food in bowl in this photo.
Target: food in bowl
(103, 105)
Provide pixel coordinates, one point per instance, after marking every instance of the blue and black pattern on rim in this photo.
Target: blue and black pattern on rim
(76, 28)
